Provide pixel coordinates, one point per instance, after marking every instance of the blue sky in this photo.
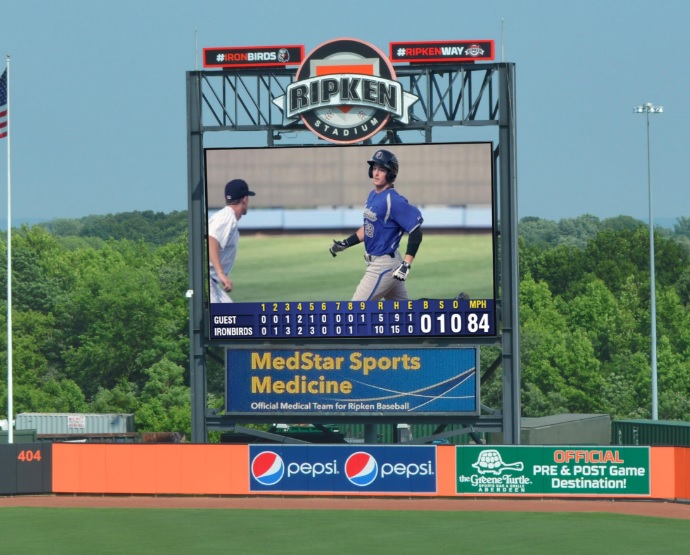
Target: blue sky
(98, 94)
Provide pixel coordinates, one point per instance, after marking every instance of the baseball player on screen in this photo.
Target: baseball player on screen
(387, 216)
(224, 238)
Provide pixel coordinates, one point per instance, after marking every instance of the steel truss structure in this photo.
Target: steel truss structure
(451, 98)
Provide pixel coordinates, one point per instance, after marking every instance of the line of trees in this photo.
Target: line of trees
(100, 320)
(585, 317)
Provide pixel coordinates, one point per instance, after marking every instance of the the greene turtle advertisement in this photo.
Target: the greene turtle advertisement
(553, 470)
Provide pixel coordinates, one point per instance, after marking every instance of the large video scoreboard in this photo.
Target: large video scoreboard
(320, 184)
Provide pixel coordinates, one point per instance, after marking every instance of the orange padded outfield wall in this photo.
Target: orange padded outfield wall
(177, 469)
(186, 469)
(682, 463)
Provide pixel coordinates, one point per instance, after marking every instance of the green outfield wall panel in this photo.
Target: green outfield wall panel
(651, 432)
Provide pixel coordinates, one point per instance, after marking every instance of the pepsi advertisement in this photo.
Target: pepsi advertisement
(343, 468)
(354, 382)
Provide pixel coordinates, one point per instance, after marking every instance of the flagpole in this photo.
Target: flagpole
(10, 407)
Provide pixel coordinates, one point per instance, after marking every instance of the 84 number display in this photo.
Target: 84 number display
(476, 323)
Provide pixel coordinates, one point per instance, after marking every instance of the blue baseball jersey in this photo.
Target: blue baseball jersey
(387, 217)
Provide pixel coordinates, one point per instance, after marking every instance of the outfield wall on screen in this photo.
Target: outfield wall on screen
(344, 218)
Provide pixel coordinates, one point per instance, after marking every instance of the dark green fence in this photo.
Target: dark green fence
(651, 432)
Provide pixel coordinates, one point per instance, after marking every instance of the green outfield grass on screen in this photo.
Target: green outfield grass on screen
(299, 268)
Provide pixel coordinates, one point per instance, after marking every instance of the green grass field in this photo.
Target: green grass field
(300, 268)
(302, 532)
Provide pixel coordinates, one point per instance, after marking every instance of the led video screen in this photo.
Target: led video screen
(308, 242)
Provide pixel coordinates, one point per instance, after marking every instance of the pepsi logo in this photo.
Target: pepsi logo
(268, 468)
(361, 468)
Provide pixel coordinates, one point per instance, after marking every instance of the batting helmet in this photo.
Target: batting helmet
(386, 159)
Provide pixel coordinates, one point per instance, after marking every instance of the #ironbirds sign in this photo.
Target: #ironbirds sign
(253, 56)
(345, 91)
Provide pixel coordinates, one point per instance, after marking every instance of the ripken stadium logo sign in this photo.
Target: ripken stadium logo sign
(345, 91)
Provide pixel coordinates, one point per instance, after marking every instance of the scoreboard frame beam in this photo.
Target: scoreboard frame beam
(451, 95)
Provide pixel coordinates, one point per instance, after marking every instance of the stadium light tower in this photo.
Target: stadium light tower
(647, 109)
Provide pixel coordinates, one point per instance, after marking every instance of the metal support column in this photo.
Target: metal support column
(510, 295)
(197, 359)
(371, 434)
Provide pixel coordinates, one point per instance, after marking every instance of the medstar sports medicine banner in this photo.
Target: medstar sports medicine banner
(587, 470)
(380, 381)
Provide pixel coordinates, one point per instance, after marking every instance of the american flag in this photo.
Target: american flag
(3, 105)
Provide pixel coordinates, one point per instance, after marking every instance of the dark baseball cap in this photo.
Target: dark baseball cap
(237, 189)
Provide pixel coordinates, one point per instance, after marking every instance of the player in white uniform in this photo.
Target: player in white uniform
(387, 216)
(224, 238)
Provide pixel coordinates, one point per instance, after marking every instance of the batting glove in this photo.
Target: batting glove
(401, 273)
(338, 246)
